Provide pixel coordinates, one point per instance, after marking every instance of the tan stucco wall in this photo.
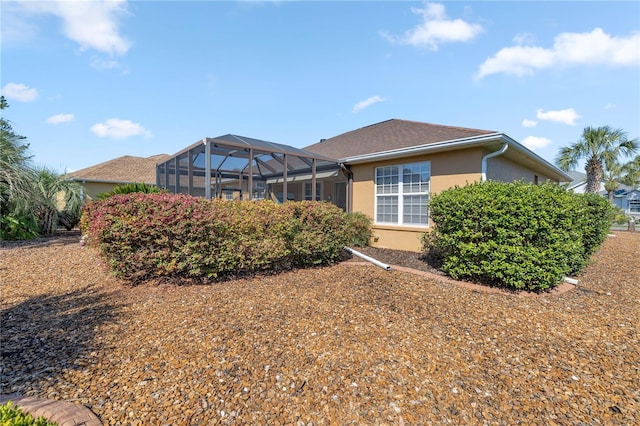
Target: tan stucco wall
(93, 188)
(447, 170)
(502, 169)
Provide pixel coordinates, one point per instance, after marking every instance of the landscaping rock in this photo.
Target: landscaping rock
(348, 344)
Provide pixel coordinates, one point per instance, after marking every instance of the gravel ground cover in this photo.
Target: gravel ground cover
(346, 344)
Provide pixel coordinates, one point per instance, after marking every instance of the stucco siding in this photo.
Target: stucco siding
(92, 188)
(502, 169)
(447, 170)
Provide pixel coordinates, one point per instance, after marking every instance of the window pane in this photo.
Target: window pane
(415, 177)
(307, 191)
(387, 180)
(387, 209)
(415, 210)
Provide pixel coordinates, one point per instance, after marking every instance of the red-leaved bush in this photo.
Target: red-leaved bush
(142, 236)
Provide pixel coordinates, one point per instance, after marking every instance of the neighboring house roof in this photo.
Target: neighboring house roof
(125, 169)
(390, 135)
(402, 138)
(579, 185)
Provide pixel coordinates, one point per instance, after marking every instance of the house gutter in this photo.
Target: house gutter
(491, 155)
(415, 150)
(456, 144)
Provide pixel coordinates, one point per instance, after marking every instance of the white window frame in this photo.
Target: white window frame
(634, 206)
(389, 183)
(306, 190)
(259, 189)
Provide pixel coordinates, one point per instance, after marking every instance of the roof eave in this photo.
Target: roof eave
(455, 144)
(118, 182)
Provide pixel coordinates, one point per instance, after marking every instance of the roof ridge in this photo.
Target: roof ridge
(418, 123)
(445, 125)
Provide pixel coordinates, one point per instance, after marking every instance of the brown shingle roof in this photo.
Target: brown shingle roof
(125, 169)
(390, 135)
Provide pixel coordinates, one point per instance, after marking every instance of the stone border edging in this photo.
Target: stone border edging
(559, 289)
(63, 413)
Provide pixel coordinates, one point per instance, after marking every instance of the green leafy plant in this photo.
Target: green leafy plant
(129, 188)
(142, 236)
(11, 415)
(358, 226)
(18, 226)
(516, 235)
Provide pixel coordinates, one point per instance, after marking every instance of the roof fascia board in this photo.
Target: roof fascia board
(420, 149)
(89, 180)
(454, 144)
(536, 157)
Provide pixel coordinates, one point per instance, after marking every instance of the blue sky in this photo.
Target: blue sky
(91, 81)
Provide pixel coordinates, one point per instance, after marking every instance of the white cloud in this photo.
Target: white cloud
(367, 103)
(19, 92)
(91, 24)
(436, 29)
(535, 142)
(529, 123)
(114, 128)
(609, 106)
(569, 49)
(565, 116)
(107, 64)
(60, 118)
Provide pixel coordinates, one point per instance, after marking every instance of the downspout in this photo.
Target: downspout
(367, 258)
(349, 175)
(491, 155)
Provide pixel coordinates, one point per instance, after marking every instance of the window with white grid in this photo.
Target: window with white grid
(307, 191)
(402, 193)
(258, 190)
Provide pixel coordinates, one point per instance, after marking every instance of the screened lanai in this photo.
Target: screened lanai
(237, 167)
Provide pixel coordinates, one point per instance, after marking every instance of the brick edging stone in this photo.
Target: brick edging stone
(63, 413)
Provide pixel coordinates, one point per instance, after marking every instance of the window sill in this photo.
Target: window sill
(392, 227)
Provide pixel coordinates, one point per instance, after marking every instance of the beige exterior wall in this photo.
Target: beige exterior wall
(447, 169)
(92, 188)
(502, 169)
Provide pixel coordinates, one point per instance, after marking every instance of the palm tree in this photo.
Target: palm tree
(54, 195)
(597, 146)
(632, 172)
(15, 170)
(612, 176)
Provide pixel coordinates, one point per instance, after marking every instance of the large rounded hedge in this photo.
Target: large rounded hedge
(143, 236)
(516, 235)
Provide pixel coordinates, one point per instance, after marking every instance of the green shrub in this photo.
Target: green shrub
(594, 220)
(142, 236)
(358, 227)
(128, 188)
(18, 226)
(517, 235)
(11, 415)
(619, 217)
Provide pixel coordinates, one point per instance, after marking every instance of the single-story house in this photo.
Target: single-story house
(628, 200)
(103, 177)
(625, 197)
(386, 170)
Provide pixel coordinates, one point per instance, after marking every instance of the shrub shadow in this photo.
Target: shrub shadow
(46, 335)
(60, 238)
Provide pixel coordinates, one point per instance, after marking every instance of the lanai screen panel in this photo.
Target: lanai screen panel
(212, 165)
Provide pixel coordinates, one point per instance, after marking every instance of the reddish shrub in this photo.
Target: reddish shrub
(149, 235)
